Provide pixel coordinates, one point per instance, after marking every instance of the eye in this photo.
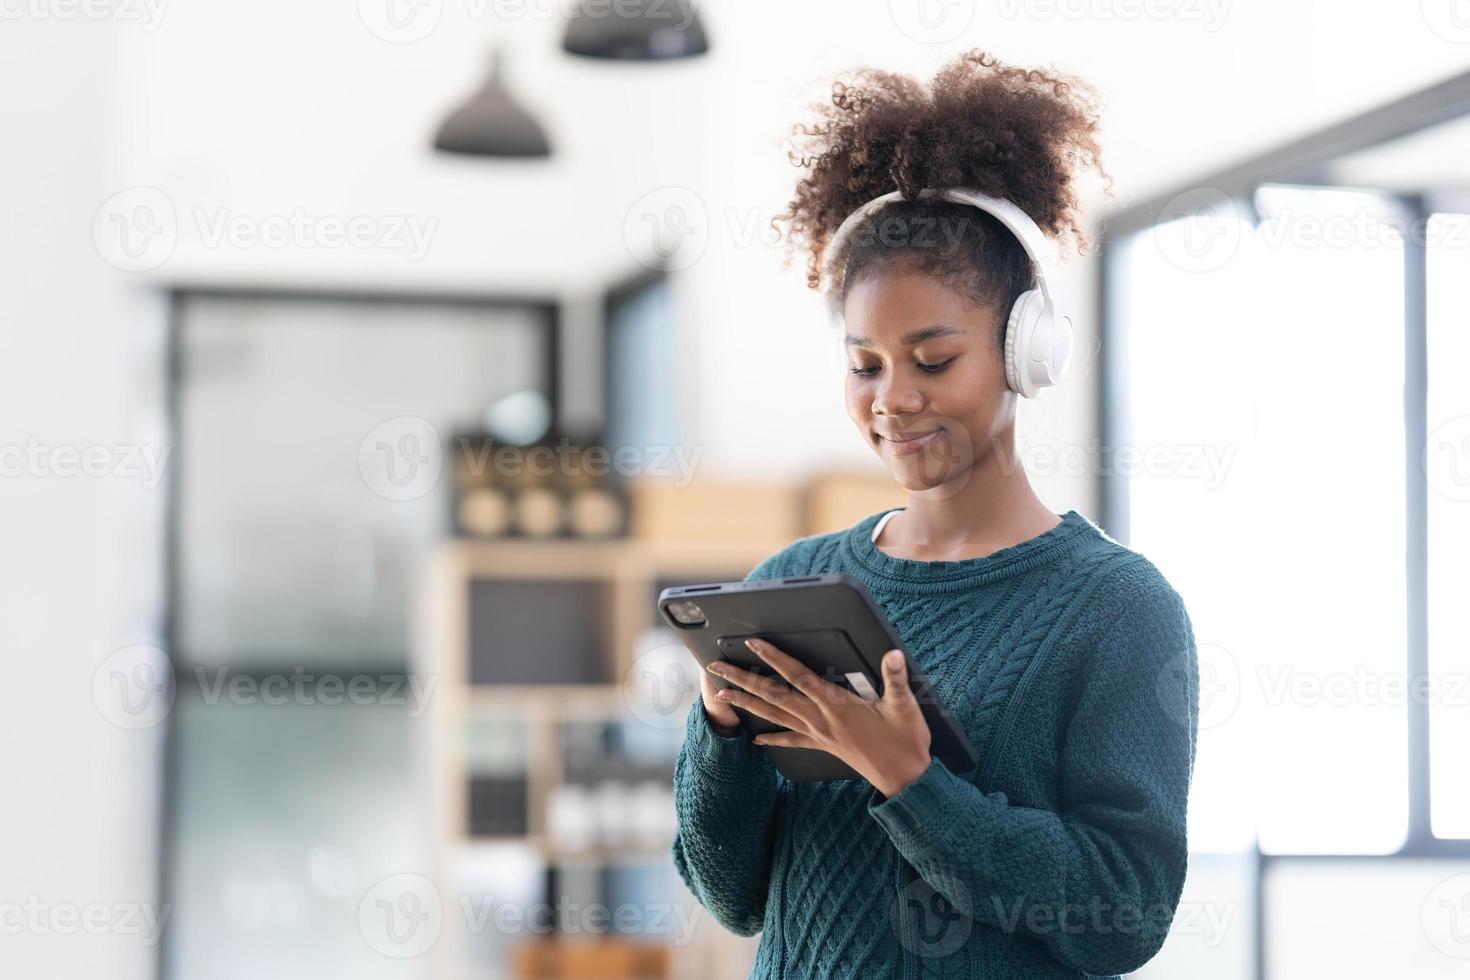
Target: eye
(862, 372)
(935, 368)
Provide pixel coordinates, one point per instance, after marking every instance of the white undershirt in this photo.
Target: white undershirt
(878, 528)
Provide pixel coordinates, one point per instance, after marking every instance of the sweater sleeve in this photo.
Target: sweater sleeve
(727, 799)
(1098, 882)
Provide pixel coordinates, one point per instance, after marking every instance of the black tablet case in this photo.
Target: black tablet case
(832, 625)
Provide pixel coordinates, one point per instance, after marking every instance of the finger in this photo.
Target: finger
(793, 740)
(759, 706)
(799, 676)
(760, 685)
(896, 690)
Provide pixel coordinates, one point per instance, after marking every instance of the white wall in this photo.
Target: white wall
(77, 579)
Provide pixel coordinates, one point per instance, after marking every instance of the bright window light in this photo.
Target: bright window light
(1264, 394)
(1447, 470)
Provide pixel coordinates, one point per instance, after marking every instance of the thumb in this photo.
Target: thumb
(896, 679)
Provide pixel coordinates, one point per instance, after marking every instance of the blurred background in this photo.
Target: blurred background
(367, 368)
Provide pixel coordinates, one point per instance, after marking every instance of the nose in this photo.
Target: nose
(896, 395)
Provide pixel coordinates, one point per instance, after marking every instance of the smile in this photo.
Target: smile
(911, 445)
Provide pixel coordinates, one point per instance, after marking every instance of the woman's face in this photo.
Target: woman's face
(925, 384)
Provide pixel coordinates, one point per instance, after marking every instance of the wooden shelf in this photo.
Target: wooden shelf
(630, 569)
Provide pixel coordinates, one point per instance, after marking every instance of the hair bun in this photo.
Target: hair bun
(1018, 133)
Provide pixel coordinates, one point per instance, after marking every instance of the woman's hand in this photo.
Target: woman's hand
(884, 741)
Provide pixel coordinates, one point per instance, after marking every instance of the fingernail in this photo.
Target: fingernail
(724, 695)
(754, 645)
(717, 667)
(893, 659)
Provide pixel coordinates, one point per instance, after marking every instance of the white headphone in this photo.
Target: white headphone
(1038, 335)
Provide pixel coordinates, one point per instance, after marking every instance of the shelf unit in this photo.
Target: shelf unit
(629, 570)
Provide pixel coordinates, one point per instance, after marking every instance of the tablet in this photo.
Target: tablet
(828, 622)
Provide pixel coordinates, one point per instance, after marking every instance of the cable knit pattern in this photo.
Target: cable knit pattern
(1071, 664)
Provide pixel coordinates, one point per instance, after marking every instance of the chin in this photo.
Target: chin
(925, 471)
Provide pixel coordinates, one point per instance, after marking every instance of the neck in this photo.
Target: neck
(991, 505)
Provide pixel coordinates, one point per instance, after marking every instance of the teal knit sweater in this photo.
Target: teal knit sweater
(1071, 664)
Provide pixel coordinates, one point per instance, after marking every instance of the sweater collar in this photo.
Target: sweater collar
(947, 575)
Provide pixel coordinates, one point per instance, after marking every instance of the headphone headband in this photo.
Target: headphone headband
(1038, 247)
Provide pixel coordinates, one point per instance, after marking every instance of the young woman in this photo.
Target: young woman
(1067, 658)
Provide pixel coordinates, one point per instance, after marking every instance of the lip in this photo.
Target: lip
(907, 445)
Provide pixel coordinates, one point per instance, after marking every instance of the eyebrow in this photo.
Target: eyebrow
(913, 337)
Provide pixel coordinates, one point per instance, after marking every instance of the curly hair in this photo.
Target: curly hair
(1017, 133)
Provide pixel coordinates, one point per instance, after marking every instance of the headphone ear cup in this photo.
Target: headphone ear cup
(1020, 340)
(1037, 345)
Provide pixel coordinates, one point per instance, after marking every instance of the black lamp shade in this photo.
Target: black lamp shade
(491, 125)
(635, 30)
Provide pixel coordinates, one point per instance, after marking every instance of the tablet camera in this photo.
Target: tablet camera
(686, 613)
